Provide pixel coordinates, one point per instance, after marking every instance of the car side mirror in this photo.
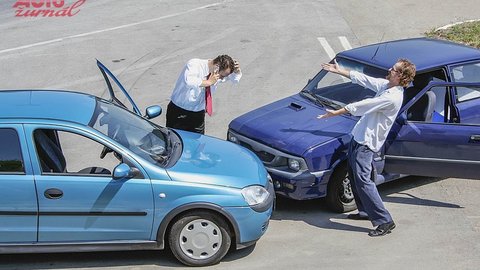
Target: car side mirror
(124, 171)
(153, 111)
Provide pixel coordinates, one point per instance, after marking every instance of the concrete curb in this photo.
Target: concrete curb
(453, 24)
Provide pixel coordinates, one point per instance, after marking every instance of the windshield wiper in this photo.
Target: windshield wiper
(170, 154)
(171, 147)
(309, 95)
(168, 139)
(325, 102)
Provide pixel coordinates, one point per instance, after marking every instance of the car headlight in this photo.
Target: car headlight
(294, 164)
(257, 197)
(255, 194)
(232, 138)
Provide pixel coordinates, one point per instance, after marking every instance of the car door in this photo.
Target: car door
(18, 200)
(448, 145)
(78, 198)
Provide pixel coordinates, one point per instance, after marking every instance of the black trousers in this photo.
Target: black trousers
(179, 118)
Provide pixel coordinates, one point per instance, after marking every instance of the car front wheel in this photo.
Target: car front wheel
(199, 239)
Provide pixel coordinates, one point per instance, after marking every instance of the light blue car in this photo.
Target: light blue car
(81, 173)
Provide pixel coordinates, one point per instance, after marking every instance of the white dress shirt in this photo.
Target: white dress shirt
(378, 113)
(188, 94)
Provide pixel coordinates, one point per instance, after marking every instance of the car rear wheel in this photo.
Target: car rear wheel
(199, 239)
(339, 192)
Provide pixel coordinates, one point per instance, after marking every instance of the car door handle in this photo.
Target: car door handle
(474, 138)
(53, 193)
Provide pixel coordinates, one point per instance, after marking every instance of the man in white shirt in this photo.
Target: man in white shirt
(369, 134)
(191, 97)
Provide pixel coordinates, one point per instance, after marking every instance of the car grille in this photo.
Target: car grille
(263, 155)
(269, 156)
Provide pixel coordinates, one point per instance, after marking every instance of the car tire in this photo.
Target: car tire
(199, 238)
(339, 191)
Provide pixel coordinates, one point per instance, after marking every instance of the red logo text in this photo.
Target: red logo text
(46, 8)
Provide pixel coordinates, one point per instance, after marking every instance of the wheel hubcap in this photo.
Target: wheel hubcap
(200, 239)
(346, 194)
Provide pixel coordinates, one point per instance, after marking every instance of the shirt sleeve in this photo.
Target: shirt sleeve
(368, 105)
(233, 77)
(192, 75)
(375, 84)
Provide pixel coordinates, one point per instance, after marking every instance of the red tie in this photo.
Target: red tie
(208, 99)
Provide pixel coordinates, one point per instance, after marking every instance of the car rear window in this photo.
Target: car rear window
(10, 155)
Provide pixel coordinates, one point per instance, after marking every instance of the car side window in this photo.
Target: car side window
(469, 73)
(11, 160)
(430, 106)
(438, 113)
(71, 153)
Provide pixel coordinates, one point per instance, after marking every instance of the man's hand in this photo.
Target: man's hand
(331, 67)
(236, 67)
(329, 113)
(335, 68)
(213, 78)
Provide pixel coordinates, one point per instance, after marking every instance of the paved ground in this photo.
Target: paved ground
(277, 42)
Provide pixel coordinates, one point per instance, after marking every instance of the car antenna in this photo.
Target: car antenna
(378, 47)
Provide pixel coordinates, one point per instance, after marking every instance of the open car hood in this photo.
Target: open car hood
(116, 89)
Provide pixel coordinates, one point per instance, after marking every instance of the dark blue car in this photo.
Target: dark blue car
(437, 131)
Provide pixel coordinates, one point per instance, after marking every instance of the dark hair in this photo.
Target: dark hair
(407, 72)
(224, 62)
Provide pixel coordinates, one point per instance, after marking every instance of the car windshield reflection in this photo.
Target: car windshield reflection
(333, 90)
(140, 136)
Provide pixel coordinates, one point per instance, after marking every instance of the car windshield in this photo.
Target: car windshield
(335, 91)
(142, 137)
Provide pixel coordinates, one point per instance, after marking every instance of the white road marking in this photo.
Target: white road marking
(109, 29)
(346, 45)
(32, 45)
(328, 49)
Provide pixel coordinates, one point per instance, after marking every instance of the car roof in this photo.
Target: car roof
(425, 53)
(47, 104)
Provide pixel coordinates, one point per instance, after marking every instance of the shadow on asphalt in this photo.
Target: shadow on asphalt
(400, 185)
(92, 260)
(316, 213)
(96, 260)
(313, 212)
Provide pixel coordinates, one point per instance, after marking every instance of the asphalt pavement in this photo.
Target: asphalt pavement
(280, 45)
